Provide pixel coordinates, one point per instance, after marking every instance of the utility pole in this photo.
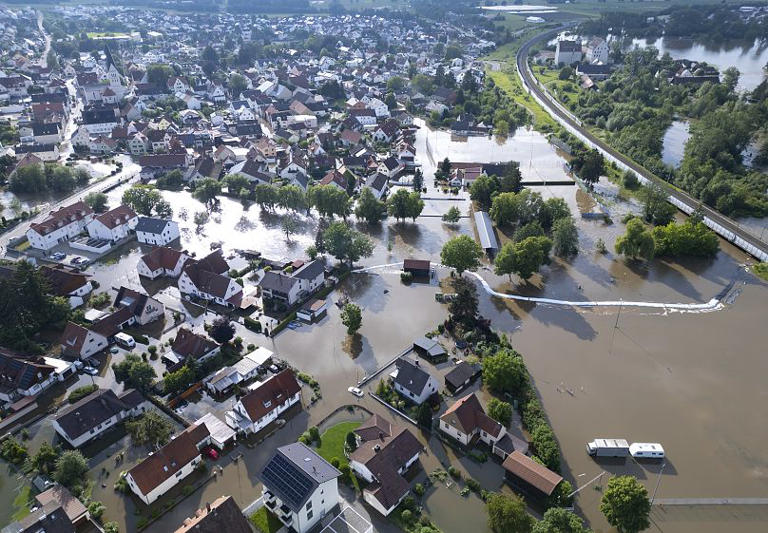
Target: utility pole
(615, 327)
(658, 481)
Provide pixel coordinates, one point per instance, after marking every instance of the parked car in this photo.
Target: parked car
(210, 452)
(90, 370)
(274, 369)
(357, 392)
(58, 256)
(77, 260)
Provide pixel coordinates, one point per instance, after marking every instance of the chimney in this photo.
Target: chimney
(377, 448)
(207, 507)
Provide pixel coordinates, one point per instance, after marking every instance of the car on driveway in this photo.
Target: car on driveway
(58, 256)
(77, 260)
(90, 370)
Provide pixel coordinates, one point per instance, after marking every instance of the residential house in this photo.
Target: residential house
(387, 131)
(265, 403)
(143, 308)
(428, 348)
(189, 346)
(205, 279)
(597, 51)
(312, 310)
(162, 261)
(78, 342)
(290, 288)
(378, 183)
(157, 231)
(60, 226)
(390, 167)
(222, 515)
(466, 422)
(44, 152)
(168, 466)
(384, 453)
(252, 170)
(49, 517)
(90, 417)
(299, 487)
(75, 511)
(28, 375)
(335, 179)
(412, 381)
(114, 225)
(70, 284)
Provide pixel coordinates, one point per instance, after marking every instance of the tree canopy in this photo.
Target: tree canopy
(625, 504)
(461, 253)
(404, 204)
(147, 200)
(346, 244)
(352, 318)
(507, 514)
(637, 242)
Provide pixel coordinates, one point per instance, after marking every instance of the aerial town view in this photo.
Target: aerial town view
(356, 266)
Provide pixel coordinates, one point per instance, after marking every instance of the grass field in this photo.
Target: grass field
(265, 521)
(511, 84)
(21, 503)
(332, 441)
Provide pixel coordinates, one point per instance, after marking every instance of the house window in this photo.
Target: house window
(309, 515)
(309, 505)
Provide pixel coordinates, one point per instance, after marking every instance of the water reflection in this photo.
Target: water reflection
(673, 147)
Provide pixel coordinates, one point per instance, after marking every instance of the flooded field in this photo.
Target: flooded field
(673, 143)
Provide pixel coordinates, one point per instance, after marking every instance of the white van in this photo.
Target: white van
(646, 450)
(125, 340)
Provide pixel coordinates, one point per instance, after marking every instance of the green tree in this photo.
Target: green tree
(28, 179)
(418, 180)
(483, 190)
(329, 200)
(236, 182)
(403, 204)
(97, 201)
(625, 504)
(565, 237)
(222, 330)
(237, 84)
(545, 447)
(158, 74)
(13, 451)
(147, 200)
(500, 411)
(289, 226)
(345, 244)
(206, 191)
(463, 307)
(352, 318)
(565, 73)
(637, 242)
(150, 429)
(590, 166)
(551, 211)
(424, 415)
(507, 514)
(369, 208)
(656, 209)
(134, 372)
(266, 196)
(689, 239)
(532, 229)
(44, 461)
(111, 527)
(395, 84)
(96, 509)
(452, 216)
(505, 372)
(179, 380)
(523, 258)
(461, 253)
(559, 520)
(292, 197)
(71, 469)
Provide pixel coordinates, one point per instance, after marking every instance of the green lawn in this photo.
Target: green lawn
(265, 521)
(510, 83)
(21, 503)
(761, 269)
(332, 441)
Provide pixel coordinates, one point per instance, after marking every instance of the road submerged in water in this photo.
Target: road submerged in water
(713, 304)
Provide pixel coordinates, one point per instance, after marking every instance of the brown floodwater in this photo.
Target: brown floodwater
(692, 381)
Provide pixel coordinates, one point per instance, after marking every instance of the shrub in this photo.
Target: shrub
(81, 392)
(96, 509)
(407, 516)
(465, 491)
(473, 485)
(454, 472)
(13, 451)
(406, 277)
(335, 462)
(253, 325)
(314, 433)
(418, 489)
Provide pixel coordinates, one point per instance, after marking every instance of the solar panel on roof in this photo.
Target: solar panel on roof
(290, 482)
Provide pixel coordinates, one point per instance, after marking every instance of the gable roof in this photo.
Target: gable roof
(162, 257)
(191, 344)
(96, 408)
(21, 372)
(468, 416)
(531, 472)
(294, 472)
(269, 395)
(277, 281)
(62, 217)
(222, 515)
(116, 217)
(62, 281)
(310, 270)
(152, 225)
(461, 373)
(165, 462)
(411, 376)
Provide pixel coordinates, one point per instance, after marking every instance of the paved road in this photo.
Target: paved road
(724, 226)
(44, 58)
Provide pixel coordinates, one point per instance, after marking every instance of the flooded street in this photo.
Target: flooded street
(692, 381)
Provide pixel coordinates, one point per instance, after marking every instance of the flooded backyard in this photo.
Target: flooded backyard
(692, 381)
(673, 143)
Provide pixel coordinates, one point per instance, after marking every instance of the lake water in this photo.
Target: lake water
(673, 147)
(749, 60)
